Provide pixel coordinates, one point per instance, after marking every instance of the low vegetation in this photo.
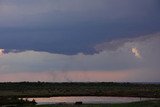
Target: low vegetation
(45, 89)
(15, 102)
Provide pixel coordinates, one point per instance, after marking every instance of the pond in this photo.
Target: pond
(88, 99)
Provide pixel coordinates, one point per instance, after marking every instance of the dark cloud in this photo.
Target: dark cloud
(75, 26)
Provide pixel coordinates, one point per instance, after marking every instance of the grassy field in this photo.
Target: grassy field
(153, 103)
(43, 89)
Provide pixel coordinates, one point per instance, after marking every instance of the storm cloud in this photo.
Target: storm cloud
(122, 62)
(74, 26)
(79, 40)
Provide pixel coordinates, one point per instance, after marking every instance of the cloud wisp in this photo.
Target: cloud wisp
(136, 52)
(1, 52)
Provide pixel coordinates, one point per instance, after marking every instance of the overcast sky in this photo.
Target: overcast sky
(80, 40)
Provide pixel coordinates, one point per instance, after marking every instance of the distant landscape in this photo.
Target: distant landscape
(15, 92)
(46, 89)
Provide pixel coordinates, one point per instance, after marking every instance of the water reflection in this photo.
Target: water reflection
(87, 99)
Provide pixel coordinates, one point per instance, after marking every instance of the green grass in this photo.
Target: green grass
(153, 103)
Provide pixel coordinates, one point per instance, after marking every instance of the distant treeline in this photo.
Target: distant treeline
(48, 89)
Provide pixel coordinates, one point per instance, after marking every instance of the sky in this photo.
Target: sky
(80, 40)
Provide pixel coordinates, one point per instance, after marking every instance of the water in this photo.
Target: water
(87, 99)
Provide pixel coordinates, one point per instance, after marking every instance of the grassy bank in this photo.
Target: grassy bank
(44, 89)
(153, 103)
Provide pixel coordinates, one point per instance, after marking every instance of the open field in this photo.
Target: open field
(44, 89)
(153, 103)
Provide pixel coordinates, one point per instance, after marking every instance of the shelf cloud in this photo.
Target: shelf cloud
(98, 40)
(74, 26)
(109, 62)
